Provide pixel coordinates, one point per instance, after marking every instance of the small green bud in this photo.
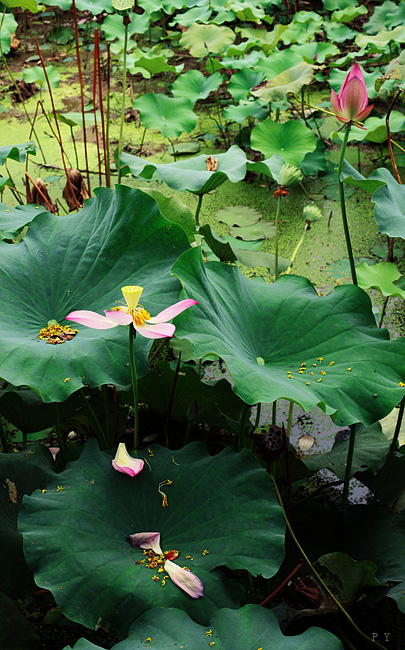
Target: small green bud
(290, 175)
(312, 213)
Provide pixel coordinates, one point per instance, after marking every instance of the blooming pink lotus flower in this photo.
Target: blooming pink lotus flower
(351, 103)
(154, 327)
(125, 463)
(183, 578)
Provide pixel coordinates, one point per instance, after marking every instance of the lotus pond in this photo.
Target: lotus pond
(202, 352)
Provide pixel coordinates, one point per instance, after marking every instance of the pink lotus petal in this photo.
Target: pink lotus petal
(156, 331)
(360, 117)
(353, 100)
(119, 317)
(125, 463)
(147, 540)
(54, 451)
(171, 312)
(185, 579)
(335, 103)
(90, 319)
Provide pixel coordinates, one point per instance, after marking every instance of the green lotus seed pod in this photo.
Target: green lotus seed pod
(312, 213)
(290, 175)
(123, 7)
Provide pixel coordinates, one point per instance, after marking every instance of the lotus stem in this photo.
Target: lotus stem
(289, 419)
(197, 212)
(274, 413)
(107, 124)
(58, 430)
(349, 462)
(343, 205)
(169, 412)
(392, 449)
(79, 68)
(74, 146)
(124, 85)
(298, 246)
(258, 412)
(276, 238)
(134, 378)
(94, 420)
(242, 426)
(3, 438)
(10, 74)
(383, 311)
(374, 644)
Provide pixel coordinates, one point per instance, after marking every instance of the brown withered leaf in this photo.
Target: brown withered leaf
(40, 195)
(79, 189)
(212, 164)
(303, 593)
(26, 91)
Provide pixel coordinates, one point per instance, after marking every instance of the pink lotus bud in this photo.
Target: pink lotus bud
(351, 103)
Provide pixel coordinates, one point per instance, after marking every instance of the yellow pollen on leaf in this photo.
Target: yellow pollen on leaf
(401, 383)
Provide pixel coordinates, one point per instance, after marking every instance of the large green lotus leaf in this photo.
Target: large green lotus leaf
(387, 15)
(264, 332)
(242, 82)
(175, 211)
(31, 5)
(238, 215)
(270, 167)
(8, 27)
(380, 40)
(213, 399)
(288, 81)
(16, 630)
(20, 474)
(243, 110)
(201, 40)
(170, 115)
(348, 14)
(379, 276)
(347, 578)
(199, 14)
(37, 75)
(25, 410)
(278, 62)
(154, 64)
(336, 33)
(389, 211)
(113, 28)
(232, 629)
(315, 162)
(192, 85)
(218, 246)
(17, 152)
(376, 126)
(291, 140)
(251, 259)
(80, 262)
(378, 178)
(260, 230)
(370, 449)
(13, 220)
(190, 175)
(95, 7)
(214, 504)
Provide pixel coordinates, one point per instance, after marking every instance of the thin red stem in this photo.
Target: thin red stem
(79, 67)
(100, 94)
(41, 193)
(96, 53)
(283, 584)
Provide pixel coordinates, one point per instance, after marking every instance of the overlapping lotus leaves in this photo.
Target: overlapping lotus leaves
(80, 262)
(201, 40)
(96, 579)
(229, 629)
(288, 81)
(381, 276)
(190, 175)
(347, 358)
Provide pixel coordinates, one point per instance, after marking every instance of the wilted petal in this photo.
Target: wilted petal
(171, 312)
(125, 463)
(185, 579)
(156, 331)
(91, 319)
(147, 540)
(119, 317)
